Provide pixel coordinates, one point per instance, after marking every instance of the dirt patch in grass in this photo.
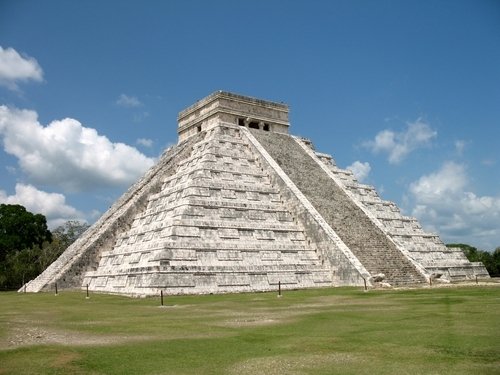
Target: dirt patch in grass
(259, 317)
(286, 314)
(292, 365)
(64, 359)
(248, 321)
(27, 334)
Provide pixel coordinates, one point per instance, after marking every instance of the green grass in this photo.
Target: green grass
(323, 331)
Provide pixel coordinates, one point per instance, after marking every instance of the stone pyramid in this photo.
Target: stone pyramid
(240, 205)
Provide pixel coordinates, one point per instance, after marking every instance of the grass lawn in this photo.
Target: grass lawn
(321, 331)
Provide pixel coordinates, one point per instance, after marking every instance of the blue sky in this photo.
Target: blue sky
(405, 93)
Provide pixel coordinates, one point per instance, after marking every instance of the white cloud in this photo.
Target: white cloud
(360, 170)
(398, 145)
(145, 142)
(15, 68)
(128, 101)
(443, 202)
(52, 205)
(68, 155)
(449, 180)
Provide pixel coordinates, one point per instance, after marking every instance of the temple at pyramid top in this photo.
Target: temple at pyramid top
(222, 106)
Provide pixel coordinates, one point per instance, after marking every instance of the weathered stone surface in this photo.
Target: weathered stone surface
(239, 205)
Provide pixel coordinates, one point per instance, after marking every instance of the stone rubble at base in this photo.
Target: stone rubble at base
(239, 205)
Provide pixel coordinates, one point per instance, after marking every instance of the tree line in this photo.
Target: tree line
(27, 246)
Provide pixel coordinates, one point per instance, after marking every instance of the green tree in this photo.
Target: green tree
(21, 229)
(22, 235)
(20, 267)
(495, 267)
(26, 258)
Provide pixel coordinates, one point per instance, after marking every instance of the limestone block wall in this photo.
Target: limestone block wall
(228, 107)
(69, 269)
(368, 243)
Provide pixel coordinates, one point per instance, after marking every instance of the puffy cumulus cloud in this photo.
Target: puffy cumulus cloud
(15, 68)
(128, 101)
(444, 203)
(361, 170)
(52, 205)
(398, 145)
(448, 181)
(67, 154)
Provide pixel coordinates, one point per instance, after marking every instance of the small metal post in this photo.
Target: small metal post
(364, 280)
(430, 280)
(476, 279)
(161, 297)
(56, 288)
(87, 297)
(279, 288)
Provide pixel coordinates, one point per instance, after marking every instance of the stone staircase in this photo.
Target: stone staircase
(369, 244)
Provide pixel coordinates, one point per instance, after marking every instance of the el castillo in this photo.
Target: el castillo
(241, 205)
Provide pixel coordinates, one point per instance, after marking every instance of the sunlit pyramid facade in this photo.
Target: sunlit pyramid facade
(241, 205)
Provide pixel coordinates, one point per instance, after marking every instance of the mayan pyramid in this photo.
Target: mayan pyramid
(240, 205)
